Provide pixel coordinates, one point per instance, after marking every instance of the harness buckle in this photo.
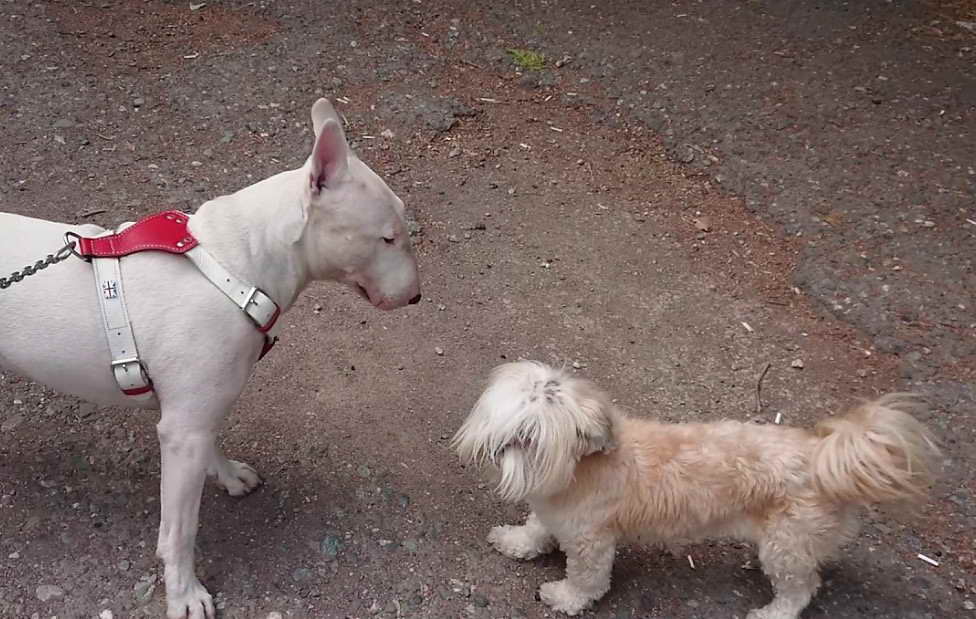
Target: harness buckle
(131, 376)
(261, 309)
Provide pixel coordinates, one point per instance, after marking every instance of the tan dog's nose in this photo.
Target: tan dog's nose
(415, 300)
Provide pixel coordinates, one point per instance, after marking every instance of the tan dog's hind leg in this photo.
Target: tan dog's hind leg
(522, 542)
(589, 561)
(790, 554)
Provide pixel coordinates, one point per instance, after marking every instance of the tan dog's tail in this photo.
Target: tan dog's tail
(877, 453)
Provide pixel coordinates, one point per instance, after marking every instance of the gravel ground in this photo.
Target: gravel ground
(672, 173)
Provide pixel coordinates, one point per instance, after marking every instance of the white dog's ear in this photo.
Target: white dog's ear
(330, 155)
(322, 111)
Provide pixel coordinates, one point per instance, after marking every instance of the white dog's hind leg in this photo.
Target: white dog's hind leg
(522, 542)
(237, 478)
(186, 453)
(589, 562)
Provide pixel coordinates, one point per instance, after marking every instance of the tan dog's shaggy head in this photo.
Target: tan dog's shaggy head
(533, 424)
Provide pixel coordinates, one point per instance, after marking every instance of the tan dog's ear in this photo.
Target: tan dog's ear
(602, 442)
(597, 431)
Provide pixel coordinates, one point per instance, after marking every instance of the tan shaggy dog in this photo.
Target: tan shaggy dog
(594, 477)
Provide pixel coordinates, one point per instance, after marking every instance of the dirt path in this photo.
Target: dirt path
(683, 172)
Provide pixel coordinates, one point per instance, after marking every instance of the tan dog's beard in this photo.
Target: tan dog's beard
(520, 473)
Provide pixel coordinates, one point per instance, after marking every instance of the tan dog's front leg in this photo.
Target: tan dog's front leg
(589, 561)
(522, 542)
(186, 454)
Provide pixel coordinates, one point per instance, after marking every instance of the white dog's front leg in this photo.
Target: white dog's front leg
(589, 561)
(525, 542)
(186, 454)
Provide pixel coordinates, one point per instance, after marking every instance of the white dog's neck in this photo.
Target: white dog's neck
(248, 232)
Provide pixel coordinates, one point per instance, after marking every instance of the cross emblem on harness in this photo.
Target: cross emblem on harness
(110, 289)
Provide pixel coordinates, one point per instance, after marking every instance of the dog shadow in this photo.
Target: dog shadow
(726, 582)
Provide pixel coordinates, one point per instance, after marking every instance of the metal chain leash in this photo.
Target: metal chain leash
(40, 265)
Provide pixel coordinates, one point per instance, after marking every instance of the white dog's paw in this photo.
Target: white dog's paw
(563, 597)
(195, 603)
(237, 478)
(519, 542)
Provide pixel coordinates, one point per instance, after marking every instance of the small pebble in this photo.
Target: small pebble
(797, 363)
(331, 546)
(275, 615)
(48, 592)
(11, 423)
(106, 614)
(144, 590)
(969, 605)
(439, 351)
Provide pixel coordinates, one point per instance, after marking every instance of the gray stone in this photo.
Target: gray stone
(49, 592)
(331, 546)
(11, 423)
(144, 590)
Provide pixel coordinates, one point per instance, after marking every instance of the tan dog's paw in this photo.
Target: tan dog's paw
(767, 612)
(519, 542)
(563, 597)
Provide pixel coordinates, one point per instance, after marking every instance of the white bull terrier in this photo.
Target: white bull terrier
(332, 219)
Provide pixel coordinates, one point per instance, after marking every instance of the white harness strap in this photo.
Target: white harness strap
(126, 366)
(258, 306)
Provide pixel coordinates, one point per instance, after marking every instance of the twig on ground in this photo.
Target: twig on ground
(759, 389)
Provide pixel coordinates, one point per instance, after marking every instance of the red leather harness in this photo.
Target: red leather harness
(168, 232)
